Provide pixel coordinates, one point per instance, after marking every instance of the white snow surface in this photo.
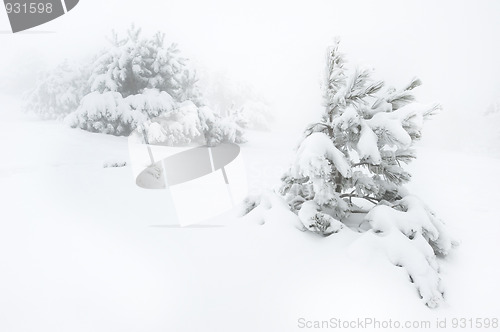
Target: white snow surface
(407, 236)
(82, 248)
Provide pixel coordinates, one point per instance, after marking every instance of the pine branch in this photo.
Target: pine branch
(360, 87)
(415, 82)
(432, 111)
(400, 98)
(335, 79)
(366, 197)
(312, 125)
(362, 164)
(360, 211)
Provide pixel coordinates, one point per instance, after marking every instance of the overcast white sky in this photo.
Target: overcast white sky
(278, 46)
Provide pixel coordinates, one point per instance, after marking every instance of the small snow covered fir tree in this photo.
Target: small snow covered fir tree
(140, 79)
(357, 150)
(352, 161)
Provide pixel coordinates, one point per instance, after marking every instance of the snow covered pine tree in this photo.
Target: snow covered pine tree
(351, 162)
(140, 79)
(58, 91)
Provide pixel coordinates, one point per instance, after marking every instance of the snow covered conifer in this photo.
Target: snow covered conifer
(352, 161)
(230, 128)
(134, 63)
(358, 150)
(140, 79)
(58, 92)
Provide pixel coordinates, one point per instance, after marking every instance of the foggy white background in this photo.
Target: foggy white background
(277, 47)
(74, 262)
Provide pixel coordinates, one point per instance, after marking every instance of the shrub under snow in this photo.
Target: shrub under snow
(174, 123)
(58, 92)
(140, 82)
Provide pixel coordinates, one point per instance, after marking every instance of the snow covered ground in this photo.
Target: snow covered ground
(82, 247)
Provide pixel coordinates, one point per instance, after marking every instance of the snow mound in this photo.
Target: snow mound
(410, 236)
(314, 220)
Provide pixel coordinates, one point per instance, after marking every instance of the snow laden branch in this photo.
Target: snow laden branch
(411, 235)
(353, 161)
